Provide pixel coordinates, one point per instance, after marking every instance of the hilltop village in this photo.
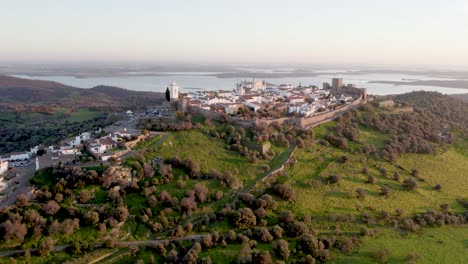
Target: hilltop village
(271, 100)
(251, 102)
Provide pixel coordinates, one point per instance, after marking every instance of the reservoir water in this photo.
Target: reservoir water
(200, 80)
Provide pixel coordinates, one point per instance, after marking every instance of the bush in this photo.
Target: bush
(385, 190)
(396, 176)
(244, 218)
(264, 235)
(282, 249)
(413, 257)
(365, 231)
(370, 179)
(334, 179)
(285, 192)
(381, 256)
(361, 193)
(410, 184)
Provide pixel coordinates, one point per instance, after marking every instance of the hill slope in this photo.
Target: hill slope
(18, 91)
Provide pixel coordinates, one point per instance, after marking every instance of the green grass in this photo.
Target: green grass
(448, 169)
(210, 153)
(44, 177)
(149, 143)
(82, 114)
(373, 137)
(433, 245)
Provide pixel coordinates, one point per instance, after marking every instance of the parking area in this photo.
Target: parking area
(16, 183)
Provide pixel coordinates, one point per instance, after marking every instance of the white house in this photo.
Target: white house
(255, 107)
(69, 151)
(3, 166)
(296, 99)
(19, 156)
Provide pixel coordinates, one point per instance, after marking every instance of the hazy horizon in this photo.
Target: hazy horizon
(367, 33)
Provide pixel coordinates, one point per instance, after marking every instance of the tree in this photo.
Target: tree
(245, 253)
(207, 241)
(46, 246)
(51, 207)
(201, 192)
(370, 179)
(385, 190)
(121, 213)
(168, 95)
(297, 228)
(285, 192)
(410, 184)
(85, 196)
(282, 249)
(262, 257)
(277, 231)
(22, 200)
(264, 235)
(91, 218)
(308, 243)
(333, 179)
(244, 218)
(189, 204)
(13, 230)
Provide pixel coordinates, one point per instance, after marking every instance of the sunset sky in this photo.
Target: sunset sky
(417, 32)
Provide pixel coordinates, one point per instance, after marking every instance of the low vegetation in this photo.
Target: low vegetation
(212, 193)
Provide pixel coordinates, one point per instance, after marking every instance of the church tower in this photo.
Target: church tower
(174, 91)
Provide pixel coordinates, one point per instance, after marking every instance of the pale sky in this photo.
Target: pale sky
(432, 32)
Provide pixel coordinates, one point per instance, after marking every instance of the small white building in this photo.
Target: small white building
(255, 107)
(3, 166)
(174, 91)
(70, 151)
(14, 156)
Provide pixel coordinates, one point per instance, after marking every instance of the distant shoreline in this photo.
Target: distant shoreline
(461, 84)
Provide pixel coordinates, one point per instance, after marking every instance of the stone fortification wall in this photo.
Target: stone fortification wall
(304, 123)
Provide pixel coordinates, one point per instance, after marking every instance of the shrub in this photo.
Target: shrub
(370, 179)
(244, 218)
(410, 184)
(277, 231)
(381, 256)
(413, 257)
(287, 217)
(264, 235)
(396, 176)
(361, 193)
(263, 257)
(297, 228)
(364, 231)
(438, 187)
(285, 192)
(308, 243)
(385, 190)
(334, 179)
(282, 249)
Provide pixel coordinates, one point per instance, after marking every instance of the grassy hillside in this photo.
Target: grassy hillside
(361, 189)
(18, 93)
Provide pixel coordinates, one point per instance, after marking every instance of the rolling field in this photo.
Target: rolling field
(431, 245)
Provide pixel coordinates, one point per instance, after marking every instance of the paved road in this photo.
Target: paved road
(121, 244)
(25, 174)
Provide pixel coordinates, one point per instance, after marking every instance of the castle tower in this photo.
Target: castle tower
(174, 91)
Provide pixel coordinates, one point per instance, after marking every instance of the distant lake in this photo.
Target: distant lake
(196, 80)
